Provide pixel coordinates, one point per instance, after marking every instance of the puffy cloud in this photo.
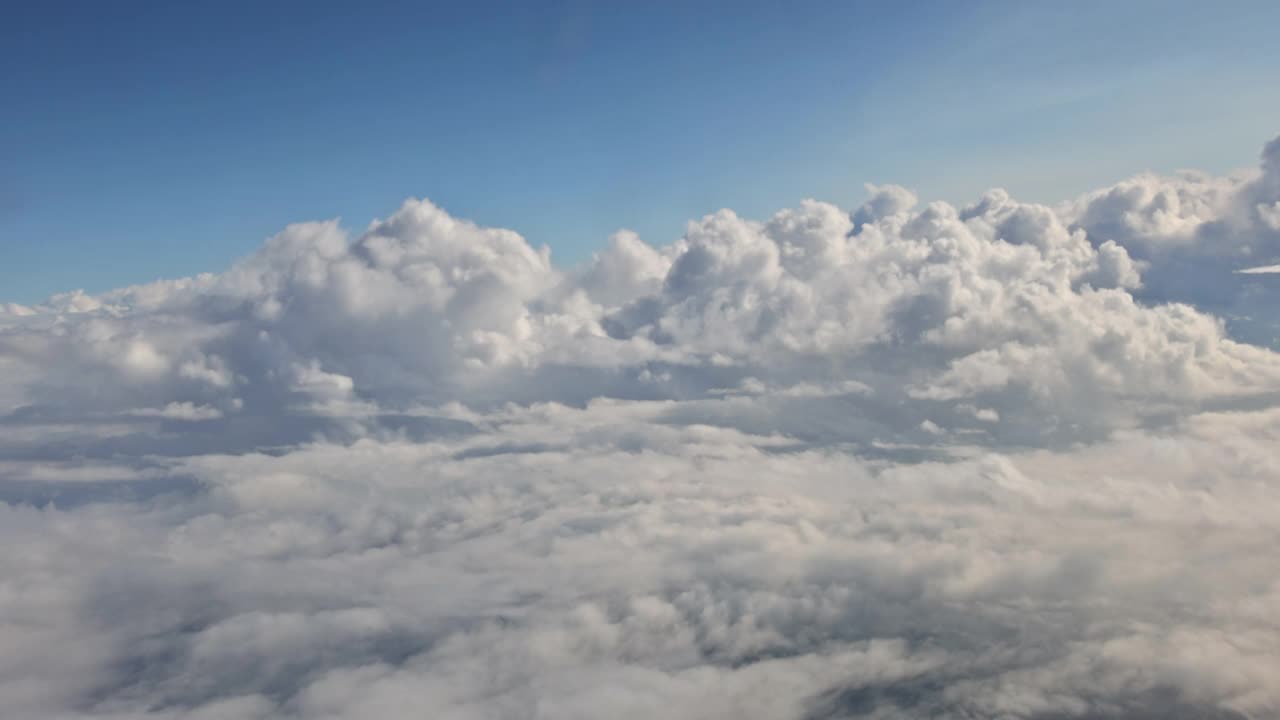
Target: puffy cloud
(904, 461)
(1000, 302)
(570, 561)
(1195, 233)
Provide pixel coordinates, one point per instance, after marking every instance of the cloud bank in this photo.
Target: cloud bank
(896, 461)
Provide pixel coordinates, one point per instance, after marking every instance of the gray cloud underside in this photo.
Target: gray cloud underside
(993, 461)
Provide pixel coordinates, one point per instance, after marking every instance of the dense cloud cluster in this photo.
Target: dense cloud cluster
(992, 461)
(1194, 232)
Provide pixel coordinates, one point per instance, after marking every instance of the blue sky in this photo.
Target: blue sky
(141, 140)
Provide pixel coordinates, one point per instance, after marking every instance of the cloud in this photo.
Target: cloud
(604, 560)
(1193, 232)
(901, 461)
(180, 411)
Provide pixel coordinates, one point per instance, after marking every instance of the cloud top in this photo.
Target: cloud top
(998, 460)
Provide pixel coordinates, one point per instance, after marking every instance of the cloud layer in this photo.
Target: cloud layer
(997, 461)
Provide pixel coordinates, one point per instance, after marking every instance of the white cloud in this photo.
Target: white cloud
(180, 411)
(1192, 232)
(896, 462)
(571, 560)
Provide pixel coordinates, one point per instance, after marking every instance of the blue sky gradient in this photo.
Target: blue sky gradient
(141, 140)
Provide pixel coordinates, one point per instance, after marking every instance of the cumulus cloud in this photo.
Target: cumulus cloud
(1193, 232)
(897, 461)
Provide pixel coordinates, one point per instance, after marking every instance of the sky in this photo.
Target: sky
(147, 140)
(331, 389)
